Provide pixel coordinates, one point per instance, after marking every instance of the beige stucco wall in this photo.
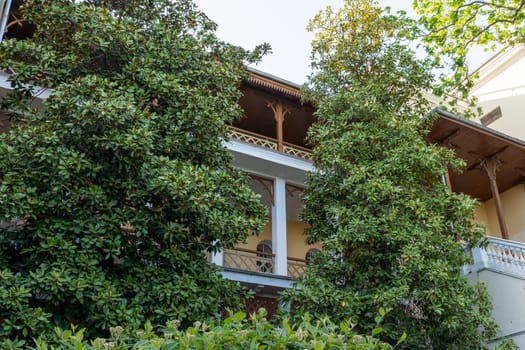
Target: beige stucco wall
(297, 247)
(512, 120)
(252, 241)
(502, 83)
(508, 298)
(513, 203)
(480, 216)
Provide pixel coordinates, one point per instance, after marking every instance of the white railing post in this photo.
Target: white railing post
(279, 227)
(479, 260)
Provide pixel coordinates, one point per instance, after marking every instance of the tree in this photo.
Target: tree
(113, 191)
(393, 235)
(453, 28)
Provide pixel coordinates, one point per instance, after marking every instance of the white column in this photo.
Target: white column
(217, 258)
(279, 227)
(5, 17)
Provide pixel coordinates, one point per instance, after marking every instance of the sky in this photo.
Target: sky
(281, 23)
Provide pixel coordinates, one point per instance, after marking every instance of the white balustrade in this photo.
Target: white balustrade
(499, 254)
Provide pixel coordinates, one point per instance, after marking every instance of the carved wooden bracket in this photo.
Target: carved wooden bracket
(292, 190)
(267, 185)
(491, 166)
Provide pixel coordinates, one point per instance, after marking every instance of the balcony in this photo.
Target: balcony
(261, 262)
(499, 255)
(270, 143)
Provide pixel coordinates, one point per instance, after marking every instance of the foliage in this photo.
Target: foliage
(236, 332)
(113, 190)
(453, 28)
(393, 234)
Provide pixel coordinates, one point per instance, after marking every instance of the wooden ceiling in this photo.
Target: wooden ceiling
(259, 91)
(475, 143)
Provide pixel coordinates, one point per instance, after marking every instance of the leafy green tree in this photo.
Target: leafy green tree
(115, 188)
(453, 28)
(393, 234)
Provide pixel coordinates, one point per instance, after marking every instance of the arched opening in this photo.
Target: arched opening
(264, 252)
(310, 253)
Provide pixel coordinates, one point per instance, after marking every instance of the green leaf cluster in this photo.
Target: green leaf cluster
(452, 28)
(115, 188)
(235, 332)
(394, 236)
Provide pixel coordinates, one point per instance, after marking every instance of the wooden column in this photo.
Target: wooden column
(491, 166)
(446, 177)
(279, 113)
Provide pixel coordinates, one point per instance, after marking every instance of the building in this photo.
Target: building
(269, 144)
(493, 147)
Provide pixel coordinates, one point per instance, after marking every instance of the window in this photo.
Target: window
(310, 253)
(491, 116)
(264, 251)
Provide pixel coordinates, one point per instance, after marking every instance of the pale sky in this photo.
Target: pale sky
(282, 24)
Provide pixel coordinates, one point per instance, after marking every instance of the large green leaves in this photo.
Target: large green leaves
(115, 190)
(392, 232)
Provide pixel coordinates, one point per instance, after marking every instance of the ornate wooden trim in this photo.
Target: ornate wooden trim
(268, 83)
(267, 184)
(268, 142)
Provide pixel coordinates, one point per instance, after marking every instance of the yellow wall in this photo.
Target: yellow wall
(481, 217)
(252, 241)
(513, 203)
(297, 247)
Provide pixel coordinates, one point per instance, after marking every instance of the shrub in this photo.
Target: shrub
(235, 332)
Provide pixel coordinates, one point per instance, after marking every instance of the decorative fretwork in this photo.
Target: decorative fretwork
(15, 20)
(267, 184)
(296, 267)
(268, 142)
(297, 152)
(269, 304)
(274, 85)
(252, 138)
(250, 260)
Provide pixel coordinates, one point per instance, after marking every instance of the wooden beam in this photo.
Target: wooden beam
(491, 166)
(482, 158)
(446, 140)
(279, 113)
(447, 178)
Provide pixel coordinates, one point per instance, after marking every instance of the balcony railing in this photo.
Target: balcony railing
(296, 267)
(250, 260)
(270, 143)
(255, 261)
(500, 254)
